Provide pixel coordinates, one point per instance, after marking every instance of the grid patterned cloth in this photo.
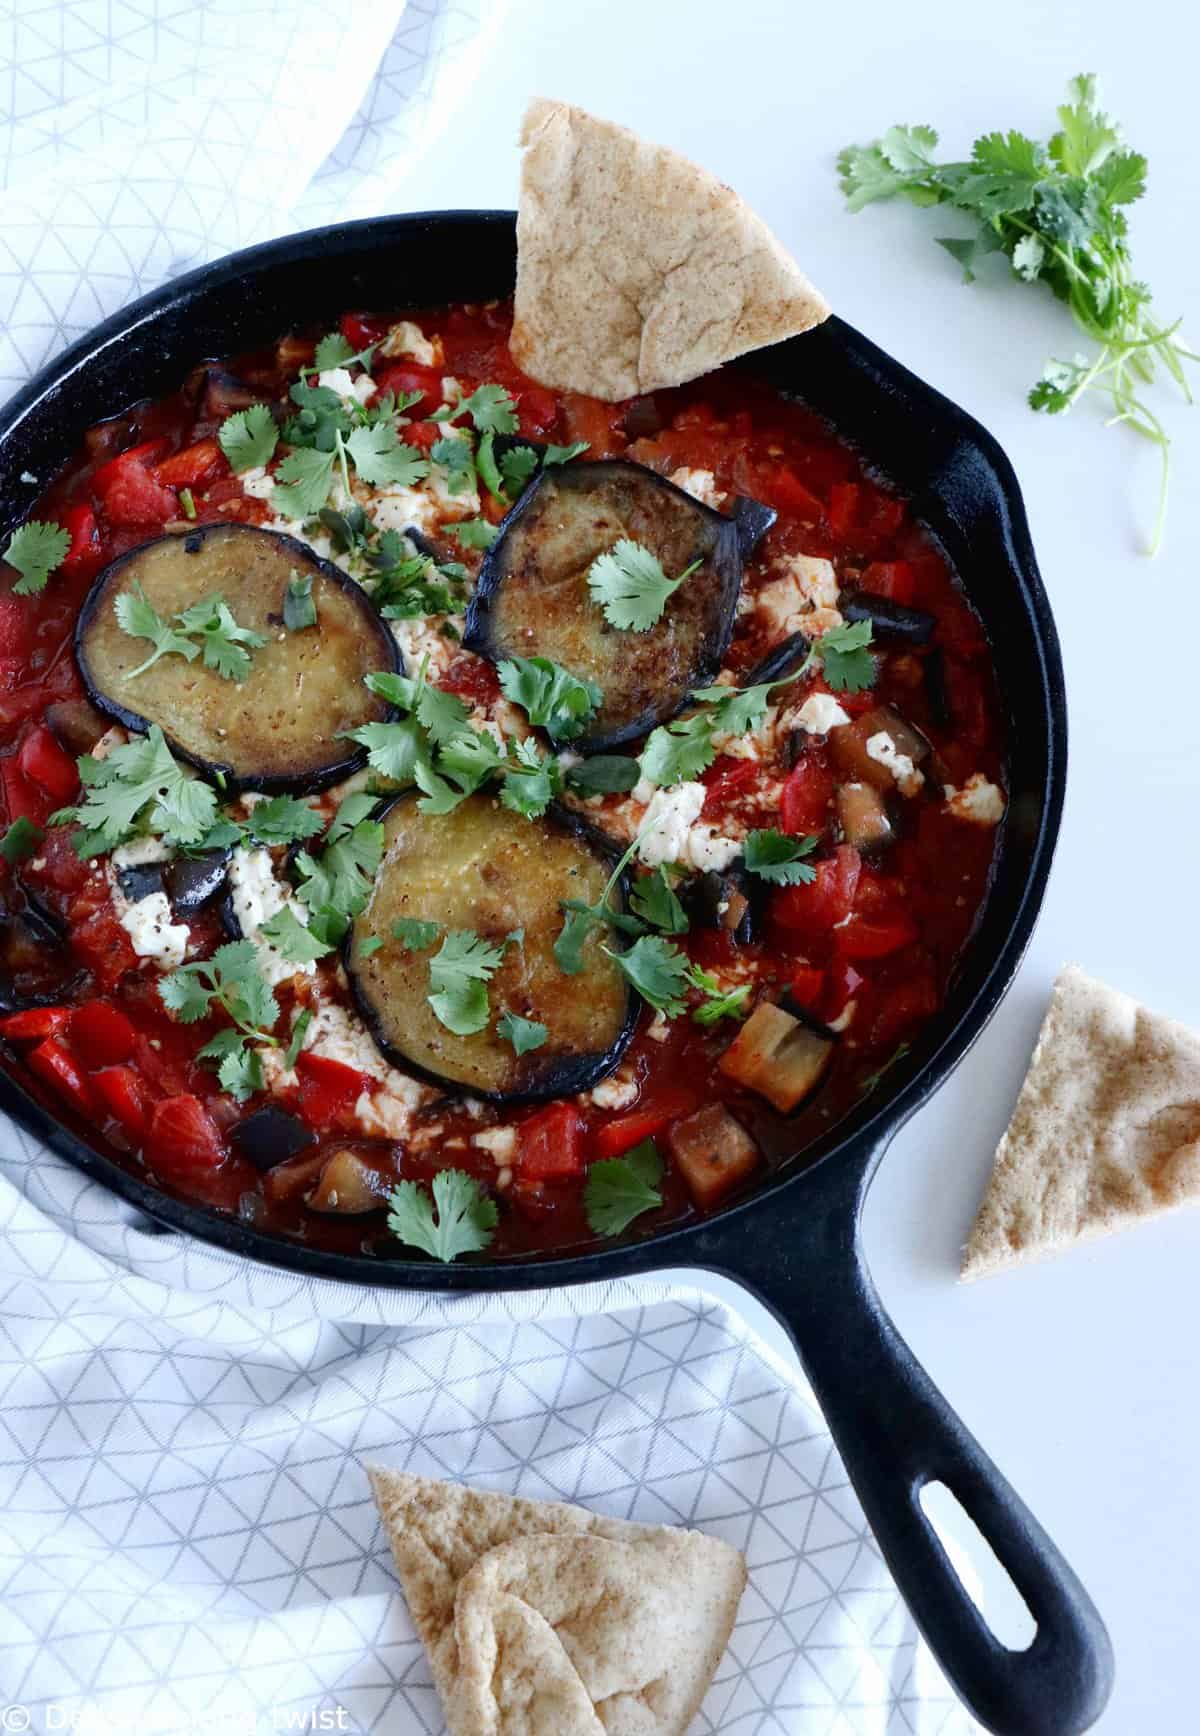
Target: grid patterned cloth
(187, 1541)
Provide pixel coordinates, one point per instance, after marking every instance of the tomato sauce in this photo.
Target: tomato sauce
(868, 947)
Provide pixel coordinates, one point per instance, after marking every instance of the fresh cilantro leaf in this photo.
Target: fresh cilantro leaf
(239, 1068)
(653, 899)
(369, 945)
(21, 839)
(248, 438)
(296, 1043)
(299, 607)
(229, 982)
(560, 703)
(489, 470)
(778, 858)
(139, 778)
(619, 1189)
(383, 459)
(465, 1222)
(415, 935)
(564, 454)
(322, 417)
(137, 616)
(847, 664)
(677, 752)
(517, 465)
(737, 710)
(393, 749)
(458, 461)
(283, 820)
(628, 583)
(470, 758)
(491, 409)
(339, 881)
(458, 976)
(348, 528)
(441, 715)
(532, 782)
(334, 351)
(568, 948)
(303, 482)
(293, 938)
(718, 1003)
(473, 533)
(523, 1034)
(1056, 211)
(225, 647)
(603, 774)
(658, 971)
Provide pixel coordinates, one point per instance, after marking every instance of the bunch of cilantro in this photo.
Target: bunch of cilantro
(1055, 211)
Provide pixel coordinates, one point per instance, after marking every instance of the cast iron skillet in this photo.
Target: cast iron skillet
(795, 1241)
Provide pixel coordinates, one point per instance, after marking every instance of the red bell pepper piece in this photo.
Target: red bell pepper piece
(104, 947)
(183, 1139)
(122, 1091)
(725, 780)
(781, 488)
(130, 494)
(194, 465)
(537, 409)
(808, 981)
(23, 799)
(36, 1022)
(361, 329)
(645, 1122)
(412, 377)
(59, 1069)
(550, 1144)
(46, 763)
(101, 1034)
(79, 522)
(825, 900)
(328, 1088)
(804, 807)
(894, 579)
(861, 938)
(17, 625)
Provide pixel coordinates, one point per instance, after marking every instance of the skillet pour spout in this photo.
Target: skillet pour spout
(796, 1240)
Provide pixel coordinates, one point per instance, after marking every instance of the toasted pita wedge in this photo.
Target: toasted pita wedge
(636, 269)
(546, 1620)
(1106, 1130)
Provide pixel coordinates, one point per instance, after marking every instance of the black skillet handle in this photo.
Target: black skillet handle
(895, 1433)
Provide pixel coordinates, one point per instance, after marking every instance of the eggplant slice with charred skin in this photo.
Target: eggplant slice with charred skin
(533, 600)
(279, 729)
(495, 873)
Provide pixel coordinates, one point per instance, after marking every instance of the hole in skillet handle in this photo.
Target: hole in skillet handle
(981, 1571)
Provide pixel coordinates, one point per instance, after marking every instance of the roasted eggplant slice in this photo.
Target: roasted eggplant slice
(532, 598)
(787, 656)
(726, 899)
(753, 520)
(193, 881)
(281, 727)
(485, 869)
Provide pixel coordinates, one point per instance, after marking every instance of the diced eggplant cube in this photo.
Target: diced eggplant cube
(890, 620)
(193, 880)
(864, 818)
(848, 747)
(140, 880)
(271, 1136)
(712, 1152)
(777, 1056)
(354, 1179)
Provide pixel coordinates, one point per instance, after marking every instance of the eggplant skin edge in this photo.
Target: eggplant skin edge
(729, 551)
(570, 1075)
(232, 784)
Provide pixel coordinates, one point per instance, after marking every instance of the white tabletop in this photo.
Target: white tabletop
(1079, 1376)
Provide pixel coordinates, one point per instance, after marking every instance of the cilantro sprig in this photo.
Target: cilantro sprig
(459, 1219)
(629, 584)
(248, 438)
(229, 982)
(459, 973)
(779, 858)
(1055, 211)
(551, 697)
(619, 1189)
(36, 549)
(336, 884)
(138, 787)
(206, 630)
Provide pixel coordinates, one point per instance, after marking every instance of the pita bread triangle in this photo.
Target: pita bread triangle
(1106, 1130)
(542, 1619)
(635, 268)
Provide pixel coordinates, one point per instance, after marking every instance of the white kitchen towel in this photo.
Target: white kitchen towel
(187, 1543)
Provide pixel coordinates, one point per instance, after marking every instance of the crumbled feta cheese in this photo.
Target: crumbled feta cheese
(464, 504)
(643, 792)
(151, 932)
(883, 750)
(258, 482)
(804, 599)
(700, 484)
(978, 800)
(659, 1028)
(707, 849)
(112, 738)
(819, 714)
(320, 542)
(256, 896)
(383, 1114)
(339, 380)
(418, 639)
(845, 1018)
(407, 339)
(142, 852)
(614, 1093)
(667, 821)
(501, 1142)
(399, 508)
(340, 1035)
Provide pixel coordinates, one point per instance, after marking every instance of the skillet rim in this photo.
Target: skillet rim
(859, 1139)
